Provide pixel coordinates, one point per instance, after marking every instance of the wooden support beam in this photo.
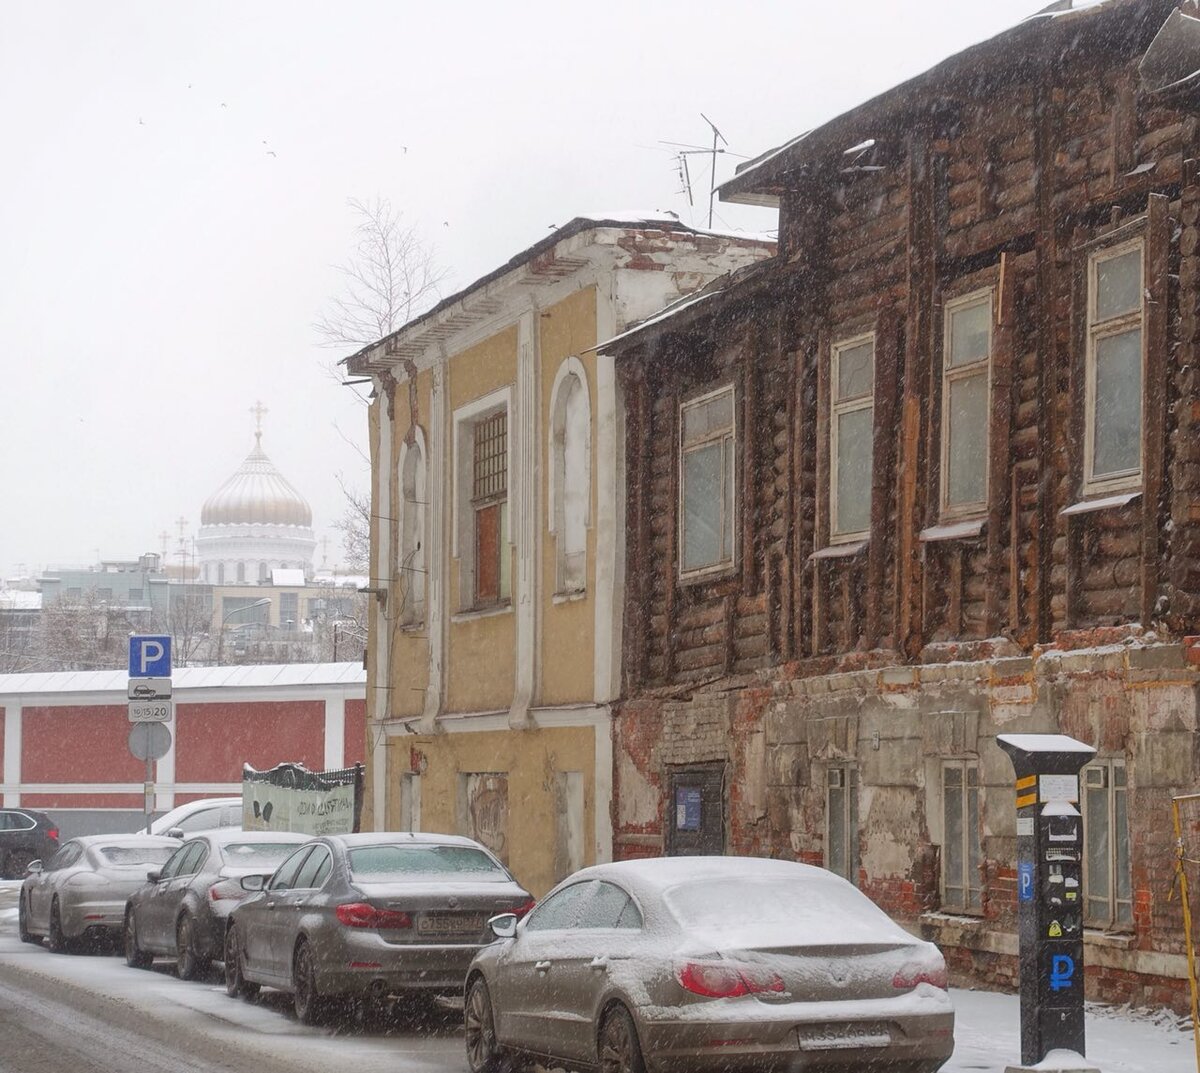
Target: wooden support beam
(1154, 402)
(1000, 471)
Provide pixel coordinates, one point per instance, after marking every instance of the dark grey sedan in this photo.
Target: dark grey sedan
(368, 916)
(81, 890)
(183, 908)
(707, 964)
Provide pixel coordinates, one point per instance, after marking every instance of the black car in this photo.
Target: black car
(25, 836)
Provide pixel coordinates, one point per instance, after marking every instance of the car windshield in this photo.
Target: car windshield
(371, 861)
(743, 904)
(254, 854)
(133, 855)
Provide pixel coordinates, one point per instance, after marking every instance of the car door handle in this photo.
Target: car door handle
(542, 966)
(599, 963)
(268, 905)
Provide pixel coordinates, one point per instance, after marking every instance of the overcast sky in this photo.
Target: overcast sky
(174, 187)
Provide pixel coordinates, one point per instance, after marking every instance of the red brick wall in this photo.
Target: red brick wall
(214, 740)
(355, 743)
(87, 744)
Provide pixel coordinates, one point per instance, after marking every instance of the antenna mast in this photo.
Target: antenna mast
(712, 185)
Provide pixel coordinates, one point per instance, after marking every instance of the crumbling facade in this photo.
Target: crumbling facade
(929, 475)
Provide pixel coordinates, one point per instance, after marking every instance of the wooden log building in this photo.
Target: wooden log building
(931, 474)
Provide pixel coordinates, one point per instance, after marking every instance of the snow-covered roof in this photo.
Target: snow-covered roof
(1045, 743)
(288, 577)
(753, 181)
(19, 600)
(247, 676)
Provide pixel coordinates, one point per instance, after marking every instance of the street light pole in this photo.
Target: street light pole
(236, 611)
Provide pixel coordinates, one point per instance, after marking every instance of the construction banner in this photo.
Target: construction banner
(289, 797)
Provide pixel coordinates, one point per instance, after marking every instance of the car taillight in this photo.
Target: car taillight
(362, 915)
(921, 973)
(226, 889)
(715, 979)
(523, 908)
(52, 834)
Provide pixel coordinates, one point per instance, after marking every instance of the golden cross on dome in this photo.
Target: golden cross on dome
(258, 409)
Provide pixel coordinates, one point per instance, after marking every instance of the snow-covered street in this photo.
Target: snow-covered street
(91, 1012)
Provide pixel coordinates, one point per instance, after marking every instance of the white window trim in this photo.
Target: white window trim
(410, 619)
(1111, 482)
(965, 372)
(836, 409)
(725, 565)
(461, 534)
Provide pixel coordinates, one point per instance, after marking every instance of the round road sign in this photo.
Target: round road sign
(149, 741)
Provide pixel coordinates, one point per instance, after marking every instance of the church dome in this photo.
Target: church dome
(257, 494)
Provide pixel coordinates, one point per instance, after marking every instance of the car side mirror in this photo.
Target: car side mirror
(154, 875)
(175, 832)
(253, 882)
(504, 926)
(33, 867)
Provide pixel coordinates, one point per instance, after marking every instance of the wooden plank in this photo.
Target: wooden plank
(1154, 402)
(820, 573)
(999, 438)
(748, 358)
(670, 568)
(887, 371)
(787, 566)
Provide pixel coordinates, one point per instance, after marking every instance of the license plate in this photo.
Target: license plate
(450, 923)
(843, 1037)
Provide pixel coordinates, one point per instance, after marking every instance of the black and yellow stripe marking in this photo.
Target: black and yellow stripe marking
(1027, 782)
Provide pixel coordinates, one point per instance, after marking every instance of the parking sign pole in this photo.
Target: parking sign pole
(148, 795)
(149, 698)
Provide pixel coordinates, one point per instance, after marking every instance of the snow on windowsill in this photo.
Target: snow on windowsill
(952, 531)
(1086, 506)
(839, 551)
(569, 597)
(1113, 940)
(957, 919)
(482, 612)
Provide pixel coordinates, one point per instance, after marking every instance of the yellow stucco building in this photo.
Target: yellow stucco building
(497, 542)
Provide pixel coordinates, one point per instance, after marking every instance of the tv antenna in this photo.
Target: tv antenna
(683, 150)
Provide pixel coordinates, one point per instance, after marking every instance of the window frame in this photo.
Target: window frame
(1109, 765)
(950, 374)
(836, 410)
(571, 375)
(849, 818)
(1094, 331)
(730, 502)
(966, 766)
(413, 522)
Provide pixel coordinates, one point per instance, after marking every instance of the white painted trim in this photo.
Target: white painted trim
(602, 790)
(979, 367)
(436, 560)
(609, 483)
(208, 695)
(419, 508)
(523, 520)
(378, 780)
(12, 754)
(164, 773)
(837, 409)
(380, 639)
(224, 789)
(335, 732)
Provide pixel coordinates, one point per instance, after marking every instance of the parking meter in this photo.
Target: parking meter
(1049, 890)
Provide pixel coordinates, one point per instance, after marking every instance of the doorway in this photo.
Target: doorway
(696, 810)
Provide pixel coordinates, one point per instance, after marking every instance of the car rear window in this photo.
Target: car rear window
(253, 854)
(430, 860)
(735, 903)
(136, 854)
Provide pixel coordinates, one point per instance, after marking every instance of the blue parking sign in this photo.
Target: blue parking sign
(149, 656)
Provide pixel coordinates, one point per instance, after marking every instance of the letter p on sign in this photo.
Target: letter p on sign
(149, 656)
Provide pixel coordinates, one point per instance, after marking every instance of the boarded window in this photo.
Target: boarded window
(412, 535)
(1113, 451)
(483, 810)
(571, 474)
(489, 500)
(707, 482)
(852, 438)
(965, 409)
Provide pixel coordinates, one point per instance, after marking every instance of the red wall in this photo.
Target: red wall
(77, 744)
(214, 740)
(356, 732)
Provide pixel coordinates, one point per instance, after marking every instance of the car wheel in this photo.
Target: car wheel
(310, 1006)
(135, 956)
(188, 964)
(17, 863)
(619, 1049)
(59, 942)
(484, 1053)
(23, 924)
(236, 984)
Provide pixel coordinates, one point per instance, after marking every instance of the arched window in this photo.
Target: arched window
(220, 573)
(571, 474)
(264, 572)
(241, 573)
(411, 572)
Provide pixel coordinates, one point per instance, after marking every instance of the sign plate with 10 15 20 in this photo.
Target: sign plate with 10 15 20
(161, 710)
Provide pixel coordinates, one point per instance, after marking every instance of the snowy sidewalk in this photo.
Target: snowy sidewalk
(987, 1037)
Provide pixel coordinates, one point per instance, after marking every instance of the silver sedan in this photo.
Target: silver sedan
(81, 890)
(707, 963)
(368, 916)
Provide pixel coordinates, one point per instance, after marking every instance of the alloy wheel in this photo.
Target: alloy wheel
(186, 962)
(58, 941)
(619, 1048)
(309, 1006)
(483, 1055)
(23, 931)
(236, 984)
(135, 956)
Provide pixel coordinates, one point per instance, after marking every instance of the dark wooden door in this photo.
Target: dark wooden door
(696, 811)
